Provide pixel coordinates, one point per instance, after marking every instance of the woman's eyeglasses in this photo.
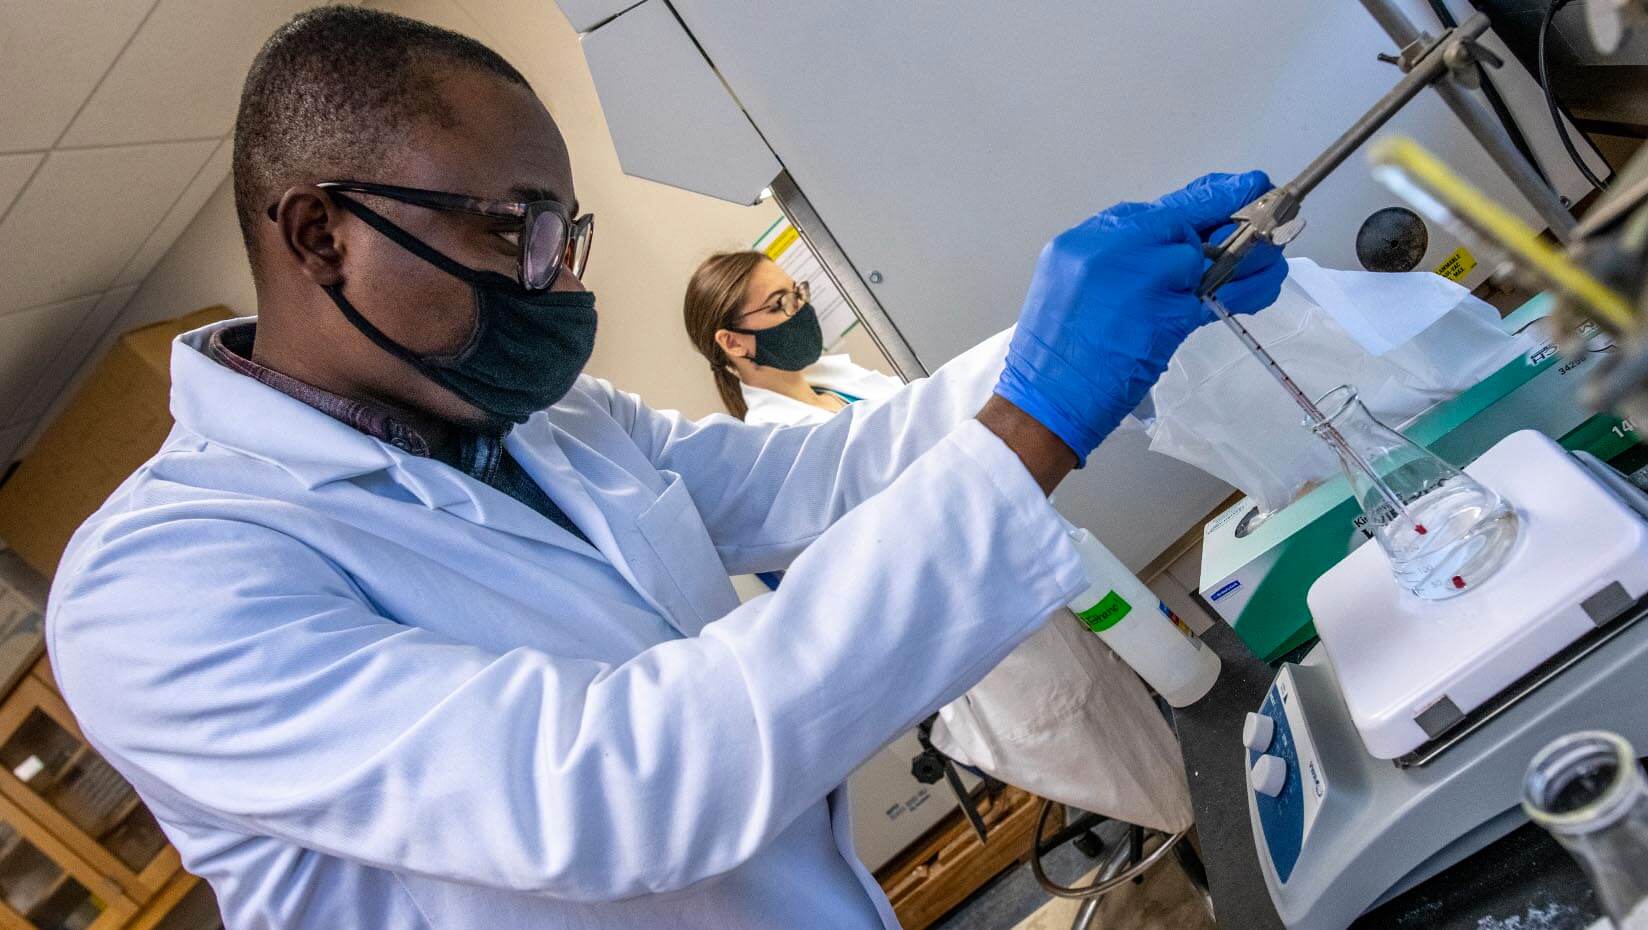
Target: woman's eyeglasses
(788, 303)
(548, 240)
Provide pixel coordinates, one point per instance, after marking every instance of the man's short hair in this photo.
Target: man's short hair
(330, 95)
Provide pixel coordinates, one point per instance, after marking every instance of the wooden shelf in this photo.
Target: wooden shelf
(33, 888)
(949, 863)
(161, 905)
(77, 868)
(46, 893)
(45, 785)
(125, 810)
(11, 920)
(10, 846)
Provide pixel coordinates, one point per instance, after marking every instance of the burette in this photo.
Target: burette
(1274, 219)
(1319, 424)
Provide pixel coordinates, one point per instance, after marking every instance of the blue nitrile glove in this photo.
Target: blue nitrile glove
(1113, 298)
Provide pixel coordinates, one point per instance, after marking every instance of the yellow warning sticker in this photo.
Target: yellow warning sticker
(1457, 265)
(783, 240)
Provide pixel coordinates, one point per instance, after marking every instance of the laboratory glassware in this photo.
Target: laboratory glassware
(1588, 790)
(1314, 419)
(1443, 531)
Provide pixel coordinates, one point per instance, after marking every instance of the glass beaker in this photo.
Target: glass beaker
(1587, 789)
(1449, 532)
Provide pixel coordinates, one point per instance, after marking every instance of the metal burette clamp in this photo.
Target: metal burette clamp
(1466, 60)
(1456, 55)
(1273, 218)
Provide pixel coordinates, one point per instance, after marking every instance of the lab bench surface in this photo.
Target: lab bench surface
(1525, 880)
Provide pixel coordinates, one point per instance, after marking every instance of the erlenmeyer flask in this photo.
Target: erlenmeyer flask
(1451, 532)
(1587, 789)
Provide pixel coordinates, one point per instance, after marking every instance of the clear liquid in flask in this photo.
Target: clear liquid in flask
(1444, 532)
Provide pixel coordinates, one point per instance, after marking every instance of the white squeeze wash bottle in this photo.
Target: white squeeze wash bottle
(1139, 628)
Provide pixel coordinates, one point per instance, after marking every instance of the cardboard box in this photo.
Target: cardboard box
(117, 420)
(1256, 578)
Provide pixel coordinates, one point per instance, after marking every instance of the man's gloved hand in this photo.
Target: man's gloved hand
(1113, 298)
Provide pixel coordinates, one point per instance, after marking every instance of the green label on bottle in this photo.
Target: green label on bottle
(1108, 612)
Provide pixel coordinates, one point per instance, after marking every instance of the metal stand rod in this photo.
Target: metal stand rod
(1319, 424)
(1480, 122)
(1430, 68)
(877, 322)
(1267, 218)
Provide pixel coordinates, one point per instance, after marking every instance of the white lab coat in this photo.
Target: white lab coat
(360, 689)
(840, 373)
(1062, 716)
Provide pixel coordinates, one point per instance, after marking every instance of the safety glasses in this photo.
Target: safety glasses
(549, 239)
(788, 303)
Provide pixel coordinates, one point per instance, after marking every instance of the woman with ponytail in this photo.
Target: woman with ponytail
(761, 337)
(1061, 716)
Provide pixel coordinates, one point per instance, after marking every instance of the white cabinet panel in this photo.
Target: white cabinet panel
(671, 118)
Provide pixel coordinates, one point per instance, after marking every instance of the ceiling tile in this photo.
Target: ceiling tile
(84, 216)
(61, 368)
(181, 76)
(14, 173)
(11, 442)
(179, 216)
(29, 341)
(52, 54)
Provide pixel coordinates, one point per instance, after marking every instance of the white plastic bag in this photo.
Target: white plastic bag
(1405, 341)
(1440, 337)
(1065, 719)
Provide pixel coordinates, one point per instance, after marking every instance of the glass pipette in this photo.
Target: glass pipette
(1319, 423)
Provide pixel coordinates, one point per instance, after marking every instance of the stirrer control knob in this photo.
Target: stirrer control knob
(1268, 776)
(1257, 732)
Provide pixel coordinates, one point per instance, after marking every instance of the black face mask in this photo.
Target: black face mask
(791, 345)
(527, 349)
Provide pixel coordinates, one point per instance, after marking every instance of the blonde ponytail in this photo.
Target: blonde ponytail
(714, 295)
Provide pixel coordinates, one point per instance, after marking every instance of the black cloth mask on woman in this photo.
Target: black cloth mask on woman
(526, 351)
(791, 345)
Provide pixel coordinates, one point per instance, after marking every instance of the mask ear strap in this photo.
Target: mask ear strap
(418, 247)
(378, 336)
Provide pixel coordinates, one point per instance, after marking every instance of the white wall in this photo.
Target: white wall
(205, 266)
